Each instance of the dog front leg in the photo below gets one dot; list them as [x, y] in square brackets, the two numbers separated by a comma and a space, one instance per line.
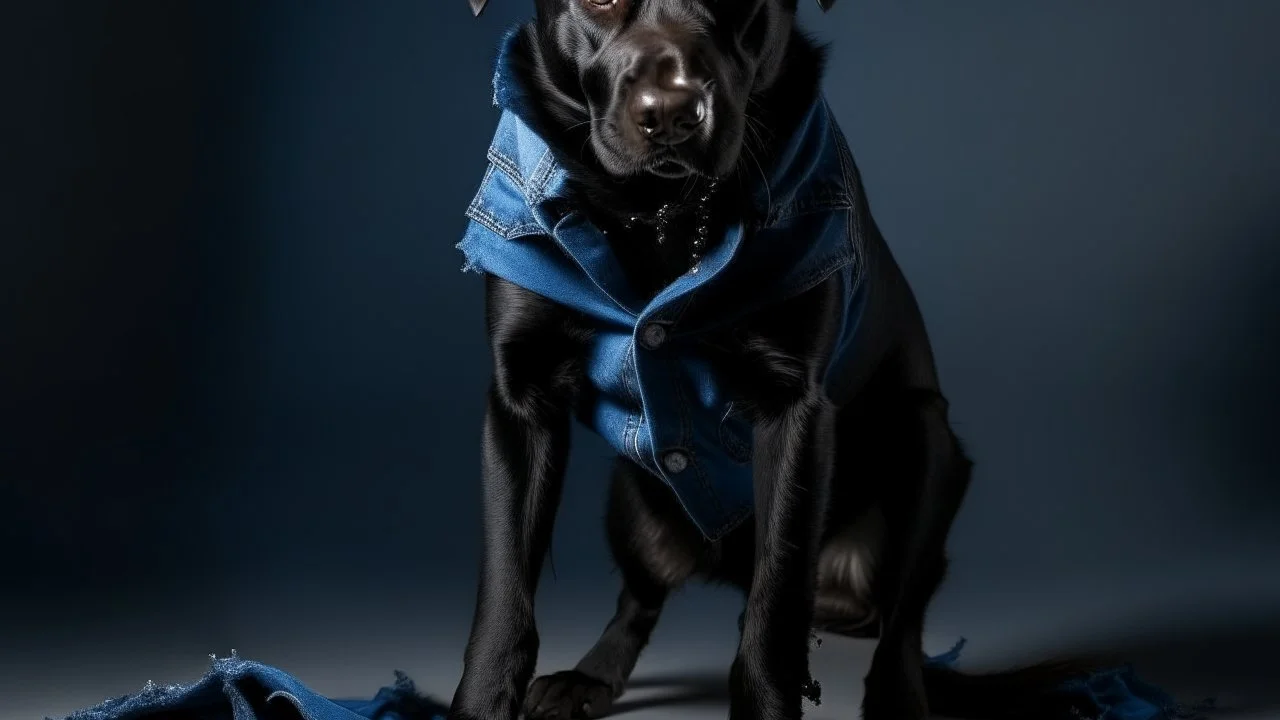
[793, 460]
[525, 451]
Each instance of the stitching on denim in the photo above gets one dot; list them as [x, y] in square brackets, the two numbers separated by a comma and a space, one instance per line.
[524, 229]
[856, 233]
[686, 439]
[627, 435]
[475, 204]
[540, 176]
[740, 452]
[815, 204]
[633, 393]
[629, 363]
[732, 521]
[856, 238]
[488, 220]
[838, 198]
[508, 166]
[856, 241]
[479, 211]
[635, 441]
[813, 277]
[484, 183]
[629, 366]
[506, 232]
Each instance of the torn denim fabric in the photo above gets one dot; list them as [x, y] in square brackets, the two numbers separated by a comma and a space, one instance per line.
[236, 689]
[1111, 694]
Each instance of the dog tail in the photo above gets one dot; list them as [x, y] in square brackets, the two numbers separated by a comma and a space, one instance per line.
[1033, 692]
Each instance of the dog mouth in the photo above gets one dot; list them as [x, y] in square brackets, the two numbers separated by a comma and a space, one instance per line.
[670, 167]
[623, 157]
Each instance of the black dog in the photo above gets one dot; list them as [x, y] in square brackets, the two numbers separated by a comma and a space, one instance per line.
[857, 474]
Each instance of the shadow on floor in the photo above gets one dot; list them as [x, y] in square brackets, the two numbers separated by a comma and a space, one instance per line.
[689, 690]
[1239, 666]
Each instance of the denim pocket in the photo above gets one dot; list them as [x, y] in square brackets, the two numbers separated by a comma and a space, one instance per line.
[735, 434]
[500, 206]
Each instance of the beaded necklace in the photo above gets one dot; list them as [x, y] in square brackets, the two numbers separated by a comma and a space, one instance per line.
[664, 216]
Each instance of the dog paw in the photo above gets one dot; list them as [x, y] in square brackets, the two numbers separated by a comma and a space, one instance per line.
[568, 695]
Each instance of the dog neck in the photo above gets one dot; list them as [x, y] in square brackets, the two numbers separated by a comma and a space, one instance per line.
[660, 228]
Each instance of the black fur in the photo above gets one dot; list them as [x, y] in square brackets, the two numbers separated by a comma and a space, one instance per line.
[856, 488]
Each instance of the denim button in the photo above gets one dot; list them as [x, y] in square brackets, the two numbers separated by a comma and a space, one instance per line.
[675, 461]
[653, 336]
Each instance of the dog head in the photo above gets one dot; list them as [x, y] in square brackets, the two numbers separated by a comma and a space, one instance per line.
[660, 88]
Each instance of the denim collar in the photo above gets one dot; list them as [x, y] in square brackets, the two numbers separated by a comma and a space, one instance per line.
[794, 182]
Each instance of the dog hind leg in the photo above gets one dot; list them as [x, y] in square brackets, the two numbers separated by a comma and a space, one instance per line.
[920, 507]
[846, 572]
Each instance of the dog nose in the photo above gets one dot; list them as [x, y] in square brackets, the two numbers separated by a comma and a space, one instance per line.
[669, 115]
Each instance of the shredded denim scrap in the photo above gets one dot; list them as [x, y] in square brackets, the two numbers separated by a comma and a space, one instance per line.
[1112, 694]
[236, 689]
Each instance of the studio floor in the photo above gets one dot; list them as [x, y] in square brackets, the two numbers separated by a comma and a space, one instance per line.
[347, 644]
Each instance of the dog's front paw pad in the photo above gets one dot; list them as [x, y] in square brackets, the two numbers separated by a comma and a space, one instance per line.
[568, 695]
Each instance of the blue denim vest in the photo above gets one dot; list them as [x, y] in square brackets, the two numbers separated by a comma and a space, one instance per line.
[655, 399]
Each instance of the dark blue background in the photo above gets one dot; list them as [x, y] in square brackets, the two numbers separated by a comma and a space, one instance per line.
[238, 356]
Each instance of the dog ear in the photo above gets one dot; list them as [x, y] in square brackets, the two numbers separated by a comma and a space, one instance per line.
[824, 4]
[477, 6]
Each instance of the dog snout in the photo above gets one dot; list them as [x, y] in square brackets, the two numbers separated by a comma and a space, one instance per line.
[668, 103]
[667, 116]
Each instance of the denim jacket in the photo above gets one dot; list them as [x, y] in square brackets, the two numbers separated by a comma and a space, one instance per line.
[654, 399]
